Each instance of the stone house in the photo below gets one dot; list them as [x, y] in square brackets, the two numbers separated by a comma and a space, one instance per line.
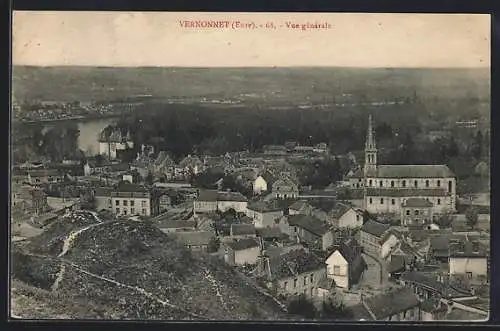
[263, 214]
[292, 274]
[242, 251]
[396, 305]
[307, 229]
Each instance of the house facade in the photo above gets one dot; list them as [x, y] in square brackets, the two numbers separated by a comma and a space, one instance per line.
[294, 273]
[285, 188]
[259, 185]
[241, 252]
[468, 260]
[416, 212]
[263, 215]
[346, 264]
[127, 200]
[371, 237]
[308, 229]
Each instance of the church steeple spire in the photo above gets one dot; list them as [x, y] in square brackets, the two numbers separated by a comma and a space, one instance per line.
[370, 149]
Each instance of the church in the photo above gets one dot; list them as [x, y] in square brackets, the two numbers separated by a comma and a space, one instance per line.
[417, 193]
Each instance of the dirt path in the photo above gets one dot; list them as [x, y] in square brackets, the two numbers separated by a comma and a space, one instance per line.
[215, 286]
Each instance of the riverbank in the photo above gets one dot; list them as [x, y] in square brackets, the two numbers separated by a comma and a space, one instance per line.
[71, 118]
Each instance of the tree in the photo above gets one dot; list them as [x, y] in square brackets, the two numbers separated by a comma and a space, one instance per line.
[471, 214]
[477, 146]
[335, 310]
[149, 178]
[302, 307]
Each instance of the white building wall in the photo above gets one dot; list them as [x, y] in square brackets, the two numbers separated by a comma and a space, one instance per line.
[464, 265]
[259, 185]
[388, 246]
[342, 277]
[350, 219]
[238, 206]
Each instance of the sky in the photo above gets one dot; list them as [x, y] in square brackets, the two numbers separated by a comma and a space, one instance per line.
[157, 39]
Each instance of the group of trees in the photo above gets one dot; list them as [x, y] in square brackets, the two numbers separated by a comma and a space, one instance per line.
[56, 143]
[329, 310]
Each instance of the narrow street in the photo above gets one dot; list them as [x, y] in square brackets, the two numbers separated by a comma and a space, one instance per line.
[375, 276]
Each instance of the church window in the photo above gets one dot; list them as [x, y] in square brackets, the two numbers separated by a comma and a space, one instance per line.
[450, 185]
[438, 183]
[381, 201]
[404, 183]
[416, 183]
[381, 183]
[439, 201]
[392, 183]
[427, 183]
[371, 200]
[371, 182]
[408, 212]
[393, 201]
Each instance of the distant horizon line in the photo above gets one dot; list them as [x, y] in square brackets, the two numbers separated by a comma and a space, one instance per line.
[235, 67]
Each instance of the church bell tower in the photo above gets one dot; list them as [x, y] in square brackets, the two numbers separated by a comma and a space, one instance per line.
[370, 150]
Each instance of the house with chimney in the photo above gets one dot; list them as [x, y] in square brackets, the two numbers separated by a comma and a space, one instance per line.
[297, 272]
[264, 214]
[377, 240]
[469, 260]
[212, 201]
[308, 229]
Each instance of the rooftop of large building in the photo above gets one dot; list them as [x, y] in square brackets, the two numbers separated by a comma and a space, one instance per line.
[407, 171]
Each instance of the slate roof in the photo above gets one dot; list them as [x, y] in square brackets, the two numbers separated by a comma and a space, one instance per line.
[284, 182]
[45, 172]
[408, 171]
[350, 249]
[417, 203]
[424, 280]
[194, 238]
[270, 233]
[294, 263]
[263, 207]
[397, 264]
[231, 196]
[242, 229]
[242, 244]
[409, 192]
[375, 228]
[309, 223]
[388, 304]
[299, 205]
[208, 195]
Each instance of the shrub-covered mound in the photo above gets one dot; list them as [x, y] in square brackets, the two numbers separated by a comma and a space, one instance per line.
[138, 272]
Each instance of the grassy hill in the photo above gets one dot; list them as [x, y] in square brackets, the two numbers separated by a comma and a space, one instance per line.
[134, 271]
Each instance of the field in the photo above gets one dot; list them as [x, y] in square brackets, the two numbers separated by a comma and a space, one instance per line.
[249, 84]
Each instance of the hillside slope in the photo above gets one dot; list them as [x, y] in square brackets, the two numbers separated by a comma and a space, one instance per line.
[136, 271]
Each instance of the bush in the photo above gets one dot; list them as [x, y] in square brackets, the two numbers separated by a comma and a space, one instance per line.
[301, 306]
